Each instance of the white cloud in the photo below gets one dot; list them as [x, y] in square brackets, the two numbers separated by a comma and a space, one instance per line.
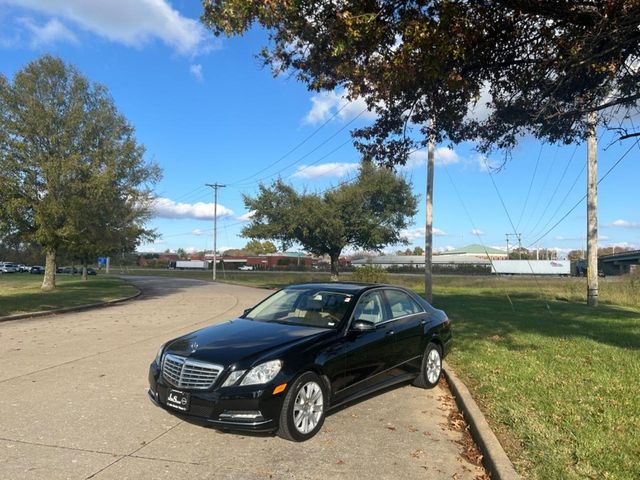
[442, 156]
[167, 208]
[47, 34]
[446, 248]
[191, 249]
[476, 231]
[561, 238]
[419, 232]
[196, 71]
[130, 22]
[197, 232]
[325, 104]
[247, 216]
[620, 223]
[325, 170]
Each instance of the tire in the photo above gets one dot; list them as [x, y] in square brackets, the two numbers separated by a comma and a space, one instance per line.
[431, 369]
[303, 410]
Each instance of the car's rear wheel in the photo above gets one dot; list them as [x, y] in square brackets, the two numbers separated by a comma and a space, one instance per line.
[431, 367]
[303, 410]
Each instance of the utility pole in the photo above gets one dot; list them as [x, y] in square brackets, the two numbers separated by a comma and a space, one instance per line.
[592, 213]
[215, 187]
[428, 233]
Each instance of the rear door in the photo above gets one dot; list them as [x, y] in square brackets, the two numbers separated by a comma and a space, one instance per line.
[409, 319]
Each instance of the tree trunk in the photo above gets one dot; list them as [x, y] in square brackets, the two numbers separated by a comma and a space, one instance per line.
[335, 267]
[49, 281]
[84, 269]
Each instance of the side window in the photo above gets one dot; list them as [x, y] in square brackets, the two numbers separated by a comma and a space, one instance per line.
[401, 304]
[370, 308]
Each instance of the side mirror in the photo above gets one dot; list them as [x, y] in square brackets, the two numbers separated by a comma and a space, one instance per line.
[246, 310]
[363, 326]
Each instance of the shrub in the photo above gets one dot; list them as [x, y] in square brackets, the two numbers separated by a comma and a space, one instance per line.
[369, 274]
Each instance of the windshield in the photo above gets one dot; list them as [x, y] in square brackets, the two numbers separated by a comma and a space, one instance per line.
[311, 307]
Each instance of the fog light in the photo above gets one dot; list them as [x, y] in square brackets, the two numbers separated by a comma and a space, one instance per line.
[242, 415]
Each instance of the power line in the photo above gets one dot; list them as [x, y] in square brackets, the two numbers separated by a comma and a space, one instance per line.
[553, 195]
[307, 138]
[533, 177]
[585, 196]
[515, 232]
[255, 182]
[564, 199]
[475, 230]
[541, 190]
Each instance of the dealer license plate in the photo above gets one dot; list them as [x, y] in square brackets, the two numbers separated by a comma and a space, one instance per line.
[178, 400]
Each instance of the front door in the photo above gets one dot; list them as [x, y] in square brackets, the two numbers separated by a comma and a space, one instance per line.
[368, 354]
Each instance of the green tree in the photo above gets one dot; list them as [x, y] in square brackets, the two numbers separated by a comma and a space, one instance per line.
[368, 213]
[520, 253]
[543, 66]
[181, 252]
[72, 176]
[418, 251]
[268, 247]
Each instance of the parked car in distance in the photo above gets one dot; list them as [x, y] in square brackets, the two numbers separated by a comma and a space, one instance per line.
[37, 270]
[67, 270]
[302, 351]
[7, 267]
[91, 271]
[245, 268]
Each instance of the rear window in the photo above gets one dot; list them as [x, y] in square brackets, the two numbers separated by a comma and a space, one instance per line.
[401, 304]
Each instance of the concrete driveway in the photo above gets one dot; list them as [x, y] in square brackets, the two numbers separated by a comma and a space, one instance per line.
[73, 404]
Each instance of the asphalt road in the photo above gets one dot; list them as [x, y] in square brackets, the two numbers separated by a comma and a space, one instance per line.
[73, 405]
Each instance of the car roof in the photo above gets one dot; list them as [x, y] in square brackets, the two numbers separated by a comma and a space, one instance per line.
[343, 287]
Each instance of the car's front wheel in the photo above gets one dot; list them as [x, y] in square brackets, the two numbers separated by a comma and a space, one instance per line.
[303, 410]
[431, 367]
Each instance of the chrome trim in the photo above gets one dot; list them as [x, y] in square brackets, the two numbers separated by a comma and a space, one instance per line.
[187, 373]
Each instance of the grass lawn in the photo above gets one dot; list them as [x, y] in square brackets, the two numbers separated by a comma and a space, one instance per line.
[20, 292]
[559, 382]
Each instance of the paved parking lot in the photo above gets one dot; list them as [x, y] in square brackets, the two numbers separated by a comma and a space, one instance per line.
[73, 405]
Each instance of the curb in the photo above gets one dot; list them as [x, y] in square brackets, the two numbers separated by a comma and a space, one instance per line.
[494, 457]
[76, 308]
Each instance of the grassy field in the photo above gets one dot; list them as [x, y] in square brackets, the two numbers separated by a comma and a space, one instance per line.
[559, 382]
[20, 292]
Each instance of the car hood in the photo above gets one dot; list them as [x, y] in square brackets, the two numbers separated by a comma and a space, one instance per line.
[240, 340]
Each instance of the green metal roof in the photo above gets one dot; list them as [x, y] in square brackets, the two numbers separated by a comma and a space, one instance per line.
[476, 249]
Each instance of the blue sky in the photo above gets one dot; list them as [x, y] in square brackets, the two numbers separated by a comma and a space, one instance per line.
[207, 112]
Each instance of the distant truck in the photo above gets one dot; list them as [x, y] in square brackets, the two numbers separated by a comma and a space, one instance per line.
[188, 265]
[531, 267]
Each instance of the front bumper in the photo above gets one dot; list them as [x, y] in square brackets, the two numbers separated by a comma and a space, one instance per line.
[217, 407]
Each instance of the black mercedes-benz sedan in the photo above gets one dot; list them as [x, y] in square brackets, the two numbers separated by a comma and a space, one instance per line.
[302, 351]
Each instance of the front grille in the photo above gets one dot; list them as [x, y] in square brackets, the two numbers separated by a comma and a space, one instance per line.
[184, 372]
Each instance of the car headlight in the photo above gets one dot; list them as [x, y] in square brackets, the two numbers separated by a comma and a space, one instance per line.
[233, 378]
[159, 354]
[263, 373]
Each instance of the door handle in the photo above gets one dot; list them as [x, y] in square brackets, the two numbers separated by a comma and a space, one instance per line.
[390, 332]
[423, 322]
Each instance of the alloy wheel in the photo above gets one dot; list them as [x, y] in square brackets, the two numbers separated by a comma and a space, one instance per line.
[434, 365]
[308, 407]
